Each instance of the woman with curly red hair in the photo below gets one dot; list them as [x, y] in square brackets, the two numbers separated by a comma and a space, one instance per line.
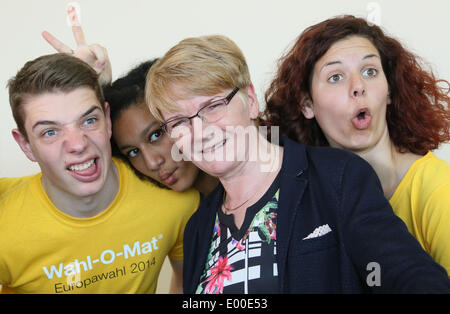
[346, 84]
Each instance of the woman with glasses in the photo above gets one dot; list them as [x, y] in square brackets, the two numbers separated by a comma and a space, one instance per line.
[285, 218]
[346, 84]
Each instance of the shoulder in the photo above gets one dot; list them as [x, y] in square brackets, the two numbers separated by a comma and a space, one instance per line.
[17, 188]
[319, 155]
[431, 176]
[328, 163]
[23, 197]
[432, 169]
[149, 194]
[9, 183]
[207, 207]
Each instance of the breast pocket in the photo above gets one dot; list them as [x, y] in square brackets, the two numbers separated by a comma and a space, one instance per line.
[317, 244]
[314, 265]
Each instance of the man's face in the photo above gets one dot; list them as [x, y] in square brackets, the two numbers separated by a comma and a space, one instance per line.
[68, 135]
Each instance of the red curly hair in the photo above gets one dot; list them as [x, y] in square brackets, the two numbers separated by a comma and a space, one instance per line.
[418, 118]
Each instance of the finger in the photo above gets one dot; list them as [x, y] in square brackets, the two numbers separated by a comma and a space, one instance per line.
[55, 43]
[76, 26]
[101, 54]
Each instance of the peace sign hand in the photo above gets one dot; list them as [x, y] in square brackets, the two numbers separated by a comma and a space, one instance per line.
[94, 55]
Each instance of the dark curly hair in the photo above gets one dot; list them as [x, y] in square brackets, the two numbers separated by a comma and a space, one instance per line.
[418, 119]
[127, 91]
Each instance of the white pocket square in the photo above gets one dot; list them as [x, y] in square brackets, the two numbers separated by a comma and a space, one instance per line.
[318, 232]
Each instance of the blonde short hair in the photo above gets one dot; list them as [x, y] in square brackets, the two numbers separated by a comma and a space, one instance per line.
[205, 65]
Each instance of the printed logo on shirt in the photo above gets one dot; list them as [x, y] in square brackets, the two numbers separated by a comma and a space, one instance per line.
[72, 271]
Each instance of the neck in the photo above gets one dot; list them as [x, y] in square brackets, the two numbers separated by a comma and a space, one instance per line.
[253, 178]
[85, 206]
[389, 164]
[205, 183]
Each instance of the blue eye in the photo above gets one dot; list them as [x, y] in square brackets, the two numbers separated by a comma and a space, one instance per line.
[133, 153]
[49, 133]
[335, 78]
[90, 121]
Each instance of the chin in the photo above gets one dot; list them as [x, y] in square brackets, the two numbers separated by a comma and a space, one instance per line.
[90, 189]
[216, 168]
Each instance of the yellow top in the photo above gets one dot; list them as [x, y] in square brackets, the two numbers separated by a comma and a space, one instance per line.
[7, 184]
[422, 201]
[121, 250]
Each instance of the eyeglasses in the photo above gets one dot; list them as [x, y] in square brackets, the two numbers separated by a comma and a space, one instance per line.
[210, 113]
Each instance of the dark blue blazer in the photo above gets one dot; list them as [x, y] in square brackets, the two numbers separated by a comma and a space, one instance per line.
[326, 186]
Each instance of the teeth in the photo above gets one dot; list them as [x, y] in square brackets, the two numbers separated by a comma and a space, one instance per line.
[214, 147]
[82, 166]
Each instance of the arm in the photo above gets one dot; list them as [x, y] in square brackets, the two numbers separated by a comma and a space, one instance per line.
[176, 283]
[372, 233]
[436, 226]
[94, 55]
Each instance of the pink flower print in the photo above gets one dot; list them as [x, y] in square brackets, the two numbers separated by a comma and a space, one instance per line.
[239, 244]
[273, 235]
[218, 274]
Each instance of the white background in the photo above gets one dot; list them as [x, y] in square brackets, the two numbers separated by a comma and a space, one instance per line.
[137, 30]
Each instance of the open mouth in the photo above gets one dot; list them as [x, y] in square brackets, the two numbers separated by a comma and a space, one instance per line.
[362, 119]
[86, 171]
[83, 166]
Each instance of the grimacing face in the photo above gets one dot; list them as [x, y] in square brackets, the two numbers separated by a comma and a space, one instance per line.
[68, 135]
[350, 95]
[139, 137]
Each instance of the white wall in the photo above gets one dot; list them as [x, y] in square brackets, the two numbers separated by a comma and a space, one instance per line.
[136, 30]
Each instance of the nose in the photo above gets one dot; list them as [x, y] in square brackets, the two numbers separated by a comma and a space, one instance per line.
[203, 132]
[75, 140]
[358, 88]
[152, 158]
[197, 130]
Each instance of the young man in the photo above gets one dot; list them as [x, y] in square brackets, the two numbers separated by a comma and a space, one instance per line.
[86, 223]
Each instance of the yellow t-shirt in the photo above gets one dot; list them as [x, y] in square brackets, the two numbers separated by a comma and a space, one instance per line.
[8, 183]
[120, 250]
[422, 201]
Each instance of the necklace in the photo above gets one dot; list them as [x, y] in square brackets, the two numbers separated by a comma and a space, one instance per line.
[227, 211]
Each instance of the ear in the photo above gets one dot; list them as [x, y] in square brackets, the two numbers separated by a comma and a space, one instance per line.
[307, 108]
[253, 102]
[108, 118]
[24, 144]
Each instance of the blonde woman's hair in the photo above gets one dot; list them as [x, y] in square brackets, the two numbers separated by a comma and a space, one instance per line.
[205, 66]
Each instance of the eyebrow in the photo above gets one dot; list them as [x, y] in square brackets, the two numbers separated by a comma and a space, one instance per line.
[50, 122]
[372, 55]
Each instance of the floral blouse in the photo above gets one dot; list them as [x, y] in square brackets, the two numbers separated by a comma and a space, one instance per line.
[244, 260]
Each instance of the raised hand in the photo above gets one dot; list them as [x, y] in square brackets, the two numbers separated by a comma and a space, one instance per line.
[95, 55]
